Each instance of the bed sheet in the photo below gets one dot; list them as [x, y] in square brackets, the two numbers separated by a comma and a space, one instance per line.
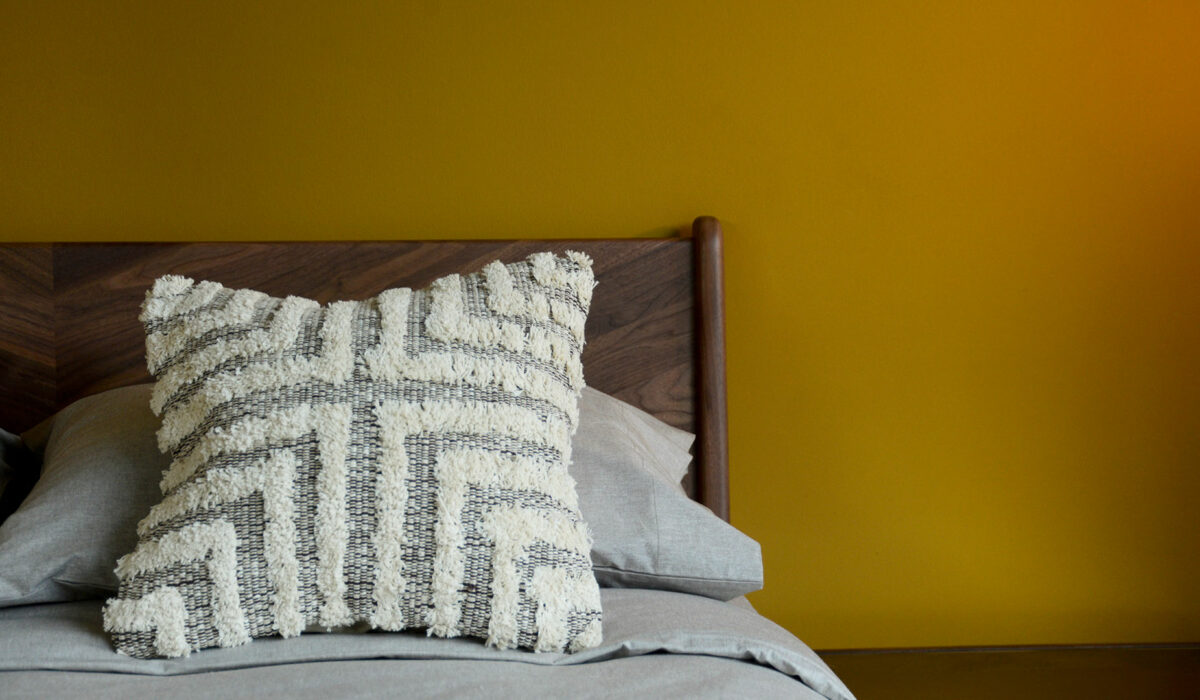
[656, 644]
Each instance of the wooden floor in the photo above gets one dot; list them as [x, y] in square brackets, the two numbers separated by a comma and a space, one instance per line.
[1142, 672]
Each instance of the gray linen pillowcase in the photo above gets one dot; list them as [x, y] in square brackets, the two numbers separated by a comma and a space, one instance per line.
[631, 432]
[102, 467]
[100, 471]
[648, 533]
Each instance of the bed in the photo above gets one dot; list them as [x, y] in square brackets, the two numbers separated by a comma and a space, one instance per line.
[73, 357]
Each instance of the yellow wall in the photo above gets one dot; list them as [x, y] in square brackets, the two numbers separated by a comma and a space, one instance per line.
[963, 246]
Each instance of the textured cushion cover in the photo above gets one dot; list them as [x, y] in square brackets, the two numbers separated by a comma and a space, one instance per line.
[400, 461]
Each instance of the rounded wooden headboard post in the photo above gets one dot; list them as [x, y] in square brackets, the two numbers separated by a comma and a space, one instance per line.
[712, 431]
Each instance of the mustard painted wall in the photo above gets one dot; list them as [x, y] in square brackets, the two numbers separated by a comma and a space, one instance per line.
[963, 246]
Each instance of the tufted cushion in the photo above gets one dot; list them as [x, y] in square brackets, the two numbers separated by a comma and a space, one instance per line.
[400, 461]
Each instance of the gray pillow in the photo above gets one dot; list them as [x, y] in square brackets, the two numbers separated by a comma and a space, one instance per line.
[103, 467]
[627, 430]
[648, 533]
[100, 473]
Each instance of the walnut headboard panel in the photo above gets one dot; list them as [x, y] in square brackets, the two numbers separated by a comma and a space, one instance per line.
[655, 334]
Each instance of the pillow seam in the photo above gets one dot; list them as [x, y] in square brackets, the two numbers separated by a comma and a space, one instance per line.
[673, 576]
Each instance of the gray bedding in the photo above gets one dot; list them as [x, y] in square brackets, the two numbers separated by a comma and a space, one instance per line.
[656, 644]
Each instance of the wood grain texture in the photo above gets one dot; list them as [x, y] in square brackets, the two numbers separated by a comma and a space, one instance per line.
[712, 431]
[26, 335]
[75, 330]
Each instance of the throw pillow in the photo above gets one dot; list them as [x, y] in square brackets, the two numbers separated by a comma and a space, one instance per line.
[400, 461]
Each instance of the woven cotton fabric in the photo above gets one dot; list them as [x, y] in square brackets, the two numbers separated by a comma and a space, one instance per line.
[400, 461]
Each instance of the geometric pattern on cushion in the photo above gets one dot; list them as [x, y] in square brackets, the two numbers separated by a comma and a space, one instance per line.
[399, 461]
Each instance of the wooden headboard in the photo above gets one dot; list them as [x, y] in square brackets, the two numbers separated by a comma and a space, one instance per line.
[655, 334]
